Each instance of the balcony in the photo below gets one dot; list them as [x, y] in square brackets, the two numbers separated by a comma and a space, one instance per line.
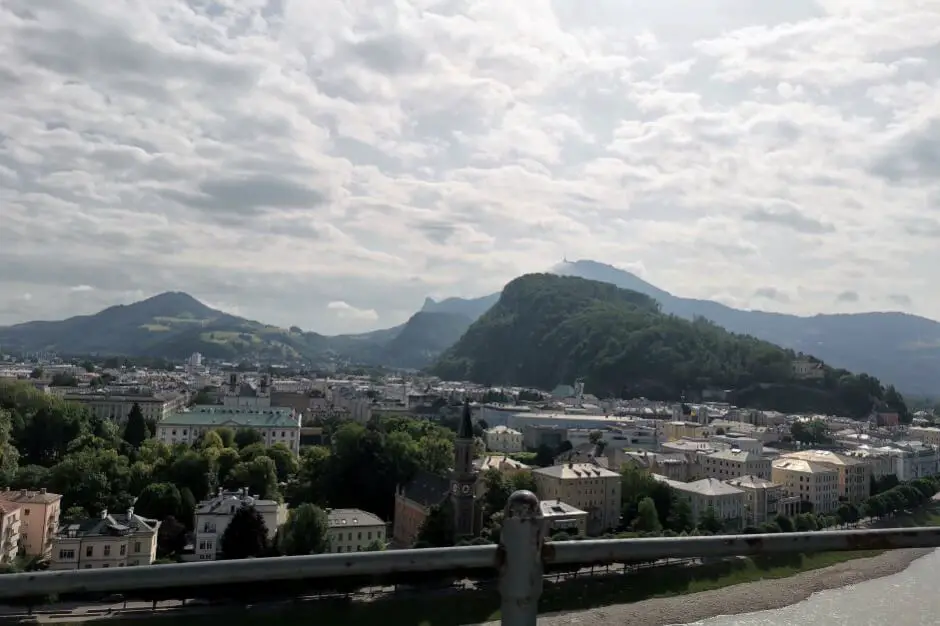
[509, 577]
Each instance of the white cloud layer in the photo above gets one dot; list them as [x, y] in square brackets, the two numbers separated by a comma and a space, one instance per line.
[346, 311]
[278, 154]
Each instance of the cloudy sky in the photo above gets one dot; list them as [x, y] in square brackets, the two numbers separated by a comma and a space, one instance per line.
[330, 164]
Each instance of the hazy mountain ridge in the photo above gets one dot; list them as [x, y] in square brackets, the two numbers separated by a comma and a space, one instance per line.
[174, 325]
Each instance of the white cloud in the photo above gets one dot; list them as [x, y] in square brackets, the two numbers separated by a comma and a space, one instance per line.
[81, 288]
[346, 311]
[277, 154]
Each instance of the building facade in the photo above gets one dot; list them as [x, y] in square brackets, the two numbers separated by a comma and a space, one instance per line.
[354, 530]
[815, 484]
[502, 439]
[112, 540]
[212, 517]
[276, 425]
[9, 531]
[39, 519]
[585, 486]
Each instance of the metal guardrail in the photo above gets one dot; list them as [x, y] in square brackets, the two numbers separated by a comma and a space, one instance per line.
[519, 561]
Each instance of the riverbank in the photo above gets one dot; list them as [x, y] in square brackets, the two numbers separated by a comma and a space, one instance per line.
[740, 598]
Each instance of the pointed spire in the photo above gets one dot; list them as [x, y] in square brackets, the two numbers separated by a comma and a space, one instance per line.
[466, 424]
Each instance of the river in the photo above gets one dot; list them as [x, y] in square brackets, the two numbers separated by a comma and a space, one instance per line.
[906, 599]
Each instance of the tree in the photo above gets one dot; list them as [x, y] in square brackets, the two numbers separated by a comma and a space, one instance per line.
[136, 431]
[710, 522]
[245, 536]
[647, 519]
[680, 516]
[244, 437]
[159, 500]
[171, 537]
[437, 530]
[305, 532]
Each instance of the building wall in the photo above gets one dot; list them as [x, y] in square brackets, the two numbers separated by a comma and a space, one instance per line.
[355, 539]
[39, 519]
[71, 553]
[599, 496]
[9, 532]
[408, 519]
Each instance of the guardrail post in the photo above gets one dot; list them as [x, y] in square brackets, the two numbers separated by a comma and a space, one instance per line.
[520, 566]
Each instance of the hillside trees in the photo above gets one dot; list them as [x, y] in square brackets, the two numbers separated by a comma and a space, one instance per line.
[559, 329]
[305, 532]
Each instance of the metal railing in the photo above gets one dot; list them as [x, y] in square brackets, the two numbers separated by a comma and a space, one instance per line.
[519, 561]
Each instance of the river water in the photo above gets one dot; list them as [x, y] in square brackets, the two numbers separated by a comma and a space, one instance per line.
[906, 599]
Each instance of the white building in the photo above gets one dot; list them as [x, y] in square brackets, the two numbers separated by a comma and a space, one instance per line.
[503, 439]
[710, 493]
[276, 424]
[912, 459]
[353, 530]
[213, 516]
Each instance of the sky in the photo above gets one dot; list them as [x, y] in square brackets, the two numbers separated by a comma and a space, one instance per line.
[330, 164]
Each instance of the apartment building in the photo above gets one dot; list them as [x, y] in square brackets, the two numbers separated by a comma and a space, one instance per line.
[764, 500]
[925, 434]
[562, 517]
[111, 540]
[276, 425]
[503, 439]
[854, 473]
[912, 459]
[212, 517]
[587, 487]
[9, 531]
[734, 463]
[115, 407]
[353, 530]
[682, 467]
[39, 518]
[741, 442]
[726, 500]
[679, 430]
[814, 483]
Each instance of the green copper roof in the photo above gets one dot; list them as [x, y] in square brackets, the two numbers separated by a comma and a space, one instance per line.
[212, 415]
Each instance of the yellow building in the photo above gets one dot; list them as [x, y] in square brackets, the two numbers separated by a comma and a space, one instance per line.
[734, 463]
[854, 473]
[677, 430]
[585, 486]
[112, 540]
[815, 483]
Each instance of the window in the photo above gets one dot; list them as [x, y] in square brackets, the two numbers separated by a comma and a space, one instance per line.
[107, 550]
[90, 551]
[26, 512]
[137, 546]
[65, 555]
[123, 549]
[106, 565]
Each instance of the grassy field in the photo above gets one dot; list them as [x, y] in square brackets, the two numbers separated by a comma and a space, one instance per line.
[586, 592]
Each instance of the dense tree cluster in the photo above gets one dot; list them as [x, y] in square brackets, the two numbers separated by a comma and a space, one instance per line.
[96, 465]
[548, 329]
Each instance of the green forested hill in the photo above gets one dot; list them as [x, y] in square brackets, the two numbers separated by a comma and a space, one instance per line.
[548, 329]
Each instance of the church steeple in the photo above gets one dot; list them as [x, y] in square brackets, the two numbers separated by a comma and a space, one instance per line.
[464, 478]
[466, 424]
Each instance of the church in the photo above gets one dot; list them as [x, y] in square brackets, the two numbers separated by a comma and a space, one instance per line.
[414, 501]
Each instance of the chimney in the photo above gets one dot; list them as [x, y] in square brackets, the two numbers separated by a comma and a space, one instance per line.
[42, 490]
[23, 492]
[130, 513]
[104, 513]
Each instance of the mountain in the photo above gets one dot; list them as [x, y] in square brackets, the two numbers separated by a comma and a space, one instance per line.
[898, 348]
[174, 325]
[546, 329]
[471, 308]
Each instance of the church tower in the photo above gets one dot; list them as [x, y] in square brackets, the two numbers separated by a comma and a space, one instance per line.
[464, 477]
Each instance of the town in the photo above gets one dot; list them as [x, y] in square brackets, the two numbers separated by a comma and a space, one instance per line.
[119, 466]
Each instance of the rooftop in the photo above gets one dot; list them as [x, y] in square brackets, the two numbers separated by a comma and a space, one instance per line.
[706, 487]
[339, 518]
[556, 508]
[215, 415]
[25, 496]
[109, 525]
[576, 470]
